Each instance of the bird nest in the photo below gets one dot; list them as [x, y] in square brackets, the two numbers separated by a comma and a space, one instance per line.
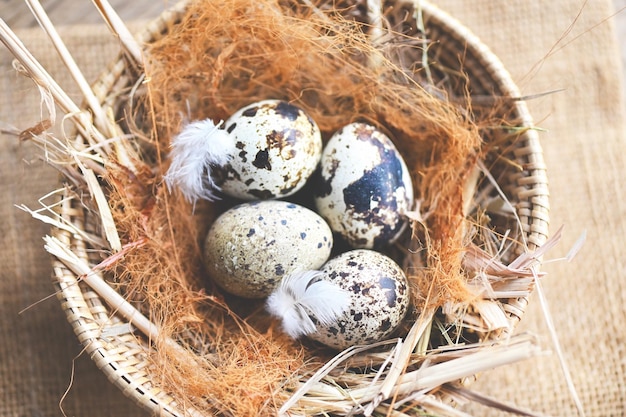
[128, 250]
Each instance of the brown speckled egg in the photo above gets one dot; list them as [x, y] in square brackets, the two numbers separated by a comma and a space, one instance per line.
[363, 187]
[278, 147]
[252, 246]
[379, 298]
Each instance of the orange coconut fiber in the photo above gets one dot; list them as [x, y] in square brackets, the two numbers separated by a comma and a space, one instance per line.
[224, 55]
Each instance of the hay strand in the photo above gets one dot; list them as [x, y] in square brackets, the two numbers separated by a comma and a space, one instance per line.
[120, 30]
[98, 284]
[45, 22]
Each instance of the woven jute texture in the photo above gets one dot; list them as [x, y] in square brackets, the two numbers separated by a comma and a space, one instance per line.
[546, 46]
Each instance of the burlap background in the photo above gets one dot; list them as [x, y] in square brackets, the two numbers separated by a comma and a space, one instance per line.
[546, 46]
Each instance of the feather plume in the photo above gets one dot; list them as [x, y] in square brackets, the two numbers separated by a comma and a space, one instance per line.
[200, 146]
[303, 298]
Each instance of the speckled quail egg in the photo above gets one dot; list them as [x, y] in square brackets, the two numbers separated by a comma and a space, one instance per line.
[379, 298]
[363, 187]
[250, 247]
[278, 147]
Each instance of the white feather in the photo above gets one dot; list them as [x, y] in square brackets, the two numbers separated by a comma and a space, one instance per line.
[198, 147]
[304, 296]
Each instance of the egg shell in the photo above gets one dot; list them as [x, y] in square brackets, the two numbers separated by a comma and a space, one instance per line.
[363, 187]
[278, 147]
[379, 298]
[252, 246]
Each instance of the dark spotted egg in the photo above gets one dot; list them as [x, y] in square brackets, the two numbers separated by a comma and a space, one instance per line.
[252, 246]
[363, 187]
[277, 146]
[379, 298]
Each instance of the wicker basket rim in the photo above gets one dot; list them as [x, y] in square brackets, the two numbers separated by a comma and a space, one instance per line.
[123, 364]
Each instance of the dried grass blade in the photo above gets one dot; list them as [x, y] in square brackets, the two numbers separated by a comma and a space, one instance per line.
[419, 18]
[47, 25]
[387, 412]
[507, 203]
[436, 407]
[436, 375]
[399, 365]
[477, 259]
[118, 304]
[469, 190]
[104, 210]
[83, 121]
[429, 377]
[34, 69]
[59, 224]
[492, 315]
[56, 248]
[557, 347]
[571, 254]
[44, 80]
[526, 260]
[105, 124]
[119, 29]
[314, 381]
[49, 214]
[487, 401]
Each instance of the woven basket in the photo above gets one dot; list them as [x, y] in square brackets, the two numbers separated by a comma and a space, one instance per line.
[109, 338]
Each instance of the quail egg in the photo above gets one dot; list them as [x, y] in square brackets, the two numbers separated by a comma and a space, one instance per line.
[379, 298]
[363, 187]
[277, 146]
[252, 246]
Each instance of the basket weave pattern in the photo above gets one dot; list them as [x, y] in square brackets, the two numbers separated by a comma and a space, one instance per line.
[110, 339]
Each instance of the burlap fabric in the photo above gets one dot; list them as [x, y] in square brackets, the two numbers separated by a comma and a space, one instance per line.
[546, 46]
